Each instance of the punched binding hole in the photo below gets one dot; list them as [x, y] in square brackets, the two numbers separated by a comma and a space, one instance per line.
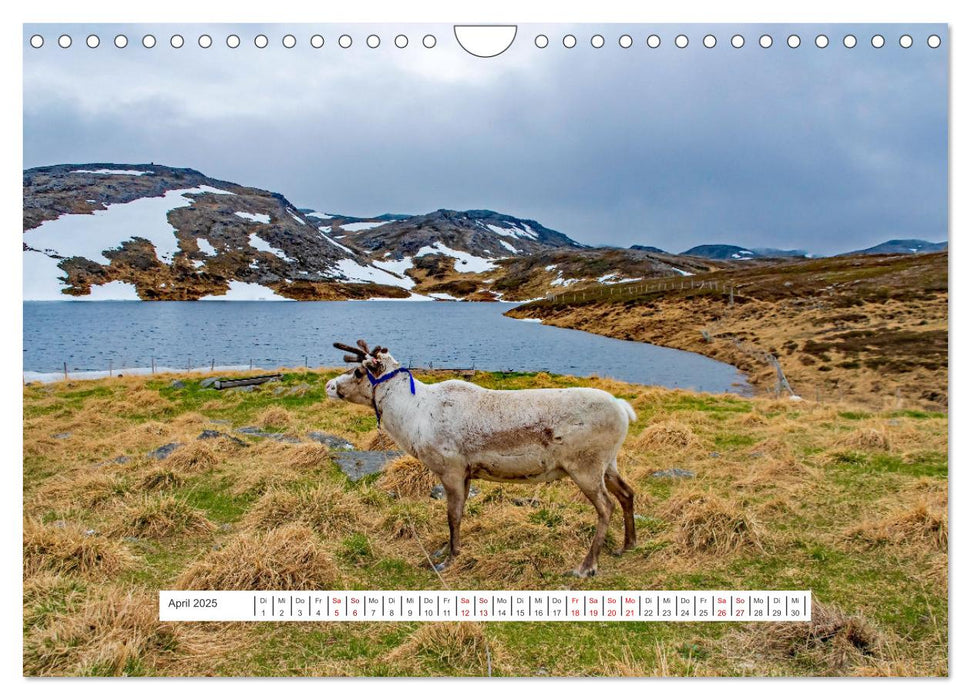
[317, 41]
[541, 41]
[233, 41]
[822, 41]
[793, 41]
[205, 41]
[906, 41]
[36, 41]
[934, 41]
[597, 41]
[765, 41]
[653, 41]
[176, 41]
[738, 41]
[709, 41]
[93, 41]
[877, 41]
[64, 41]
[569, 41]
[260, 41]
[849, 41]
[121, 41]
[625, 41]
[681, 41]
[429, 41]
[148, 41]
[289, 41]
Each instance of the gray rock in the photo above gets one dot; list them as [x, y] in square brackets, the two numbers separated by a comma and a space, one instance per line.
[220, 421]
[90, 533]
[244, 389]
[165, 450]
[716, 455]
[61, 436]
[279, 390]
[334, 442]
[531, 502]
[60, 524]
[299, 389]
[215, 435]
[675, 473]
[438, 492]
[756, 453]
[177, 384]
[208, 382]
[357, 464]
[259, 432]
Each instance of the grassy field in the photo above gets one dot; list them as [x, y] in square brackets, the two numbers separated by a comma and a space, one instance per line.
[851, 503]
[866, 329]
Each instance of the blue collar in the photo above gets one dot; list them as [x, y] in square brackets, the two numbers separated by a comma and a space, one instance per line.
[382, 380]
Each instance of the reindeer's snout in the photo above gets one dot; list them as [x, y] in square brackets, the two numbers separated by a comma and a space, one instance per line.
[331, 390]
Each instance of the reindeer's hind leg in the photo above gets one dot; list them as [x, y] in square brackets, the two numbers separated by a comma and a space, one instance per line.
[592, 485]
[625, 496]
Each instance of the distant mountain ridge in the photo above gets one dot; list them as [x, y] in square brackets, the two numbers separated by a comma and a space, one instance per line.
[906, 245]
[156, 232]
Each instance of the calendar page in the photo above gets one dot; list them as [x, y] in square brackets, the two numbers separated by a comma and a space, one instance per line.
[523, 349]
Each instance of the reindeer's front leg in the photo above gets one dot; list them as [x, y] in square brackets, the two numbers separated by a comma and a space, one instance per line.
[456, 485]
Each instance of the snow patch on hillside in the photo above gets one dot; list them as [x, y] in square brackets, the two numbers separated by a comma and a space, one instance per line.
[355, 272]
[683, 272]
[333, 242]
[87, 235]
[205, 246]
[518, 232]
[106, 171]
[112, 291]
[363, 225]
[258, 218]
[245, 291]
[464, 262]
[508, 246]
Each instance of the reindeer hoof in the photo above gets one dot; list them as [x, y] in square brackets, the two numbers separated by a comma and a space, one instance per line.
[443, 551]
[580, 573]
[440, 567]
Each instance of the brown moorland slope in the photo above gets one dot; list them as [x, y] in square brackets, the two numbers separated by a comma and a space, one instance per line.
[865, 328]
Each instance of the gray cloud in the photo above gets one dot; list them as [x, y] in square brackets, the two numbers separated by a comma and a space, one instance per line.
[821, 149]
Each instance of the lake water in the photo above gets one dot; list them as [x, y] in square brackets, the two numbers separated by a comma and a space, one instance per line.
[91, 336]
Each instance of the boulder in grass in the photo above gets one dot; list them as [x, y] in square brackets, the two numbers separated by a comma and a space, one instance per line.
[334, 442]
[675, 473]
[165, 450]
[357, 464]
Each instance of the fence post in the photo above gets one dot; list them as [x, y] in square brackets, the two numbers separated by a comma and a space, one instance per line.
[111, 369]
[65, 370]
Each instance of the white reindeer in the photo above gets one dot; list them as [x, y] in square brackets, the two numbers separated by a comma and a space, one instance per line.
[460, 432]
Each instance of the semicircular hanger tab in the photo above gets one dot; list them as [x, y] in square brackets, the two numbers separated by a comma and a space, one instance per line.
[485, 40]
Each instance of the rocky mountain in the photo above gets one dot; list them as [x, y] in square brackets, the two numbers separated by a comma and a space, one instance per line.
[897, 246]
[724, 251]
[154, 232]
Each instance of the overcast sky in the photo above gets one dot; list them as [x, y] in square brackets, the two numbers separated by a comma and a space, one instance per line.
[826, 150]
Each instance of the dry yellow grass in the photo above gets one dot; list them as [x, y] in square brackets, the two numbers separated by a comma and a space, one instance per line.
[709, 524]
[83, 488]
[275, 417]
[460, 647]
[193, 458]
[117, 633]
[163, 516]
[923, 522]
[870, 438]
[380, 440]
[325, 508]
[158, 478]
[407, 478]
[833, 641]
[68, 548]
[668, 434]
[286, 558]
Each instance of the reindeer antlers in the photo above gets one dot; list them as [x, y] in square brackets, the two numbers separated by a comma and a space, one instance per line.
[359, 353]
